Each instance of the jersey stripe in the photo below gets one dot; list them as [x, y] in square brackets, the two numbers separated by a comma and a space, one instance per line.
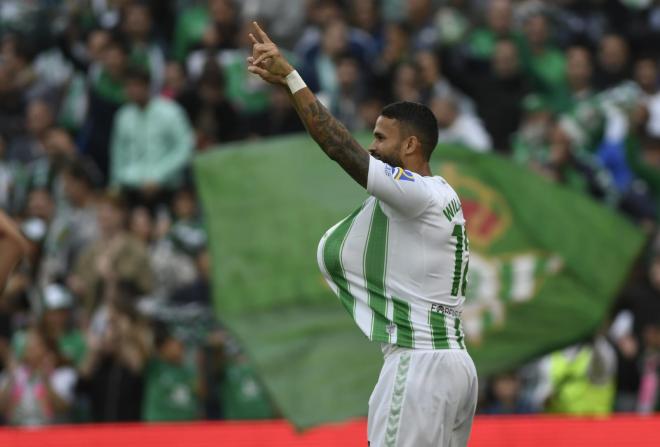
[404, 329]
[438, 330]
[332, 259]
[465, 278]
[375, 262]
[458, 264]
[459, 333]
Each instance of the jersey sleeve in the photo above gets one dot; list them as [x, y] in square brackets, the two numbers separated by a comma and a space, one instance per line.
[404, 191]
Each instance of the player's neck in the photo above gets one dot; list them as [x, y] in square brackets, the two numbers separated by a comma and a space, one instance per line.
[421, 167]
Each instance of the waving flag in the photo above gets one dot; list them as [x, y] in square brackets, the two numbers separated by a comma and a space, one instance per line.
[545, 265]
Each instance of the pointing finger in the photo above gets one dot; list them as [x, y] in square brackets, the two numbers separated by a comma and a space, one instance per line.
[262, 33]
[254, 39]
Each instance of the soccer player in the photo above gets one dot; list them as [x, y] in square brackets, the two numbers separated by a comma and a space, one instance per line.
[13, 247]
[398, 264]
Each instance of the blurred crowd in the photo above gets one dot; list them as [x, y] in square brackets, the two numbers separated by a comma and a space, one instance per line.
[103, 104]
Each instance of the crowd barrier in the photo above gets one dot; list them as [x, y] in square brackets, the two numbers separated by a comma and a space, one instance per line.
[490, 431]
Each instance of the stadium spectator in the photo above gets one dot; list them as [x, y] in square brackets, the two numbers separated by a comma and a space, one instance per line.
[481, 42]
[459, 128]
[198, 291]
[246, 97]
[114, 257]
[351, 89]
[419, 14]
[395, 52]
[627, 346]
[38, 388]
[366, 16]
[578, 80]
[543, 62]
[45, 170]
[38, 120]
[106, 95]
[57, 323]
[12, 107]
[498, 93]
[144, 50]
[174, 81]
[224, 16]
[112, 372]
[646, 75]
[242, 395]
[74, 225]
[433, 84]
[406, 83]
[452, 23]
[141, 225]
[576, 169]
[8, 173]
[319, 13]
[285, 17]
[171, 386]
[648, 400]
[505, 395]
[151, 143]
[578, 380]
[214, 119]
[613, 62]
[16, 57]
[282, 117]
[319, 60]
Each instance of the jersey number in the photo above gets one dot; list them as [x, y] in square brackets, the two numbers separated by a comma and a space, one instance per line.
[459, 282]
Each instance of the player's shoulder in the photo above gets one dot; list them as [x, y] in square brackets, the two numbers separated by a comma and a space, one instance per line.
[398, 173]
[442, 191]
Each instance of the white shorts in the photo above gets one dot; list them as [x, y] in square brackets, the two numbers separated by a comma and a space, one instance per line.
[423, 398]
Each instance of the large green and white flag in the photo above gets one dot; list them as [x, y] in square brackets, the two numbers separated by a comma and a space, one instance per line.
[545, 265]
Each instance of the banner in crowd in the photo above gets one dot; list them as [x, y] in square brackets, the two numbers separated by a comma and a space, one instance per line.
[545, 265]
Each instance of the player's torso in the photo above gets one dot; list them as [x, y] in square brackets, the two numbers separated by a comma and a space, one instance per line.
[401, 278]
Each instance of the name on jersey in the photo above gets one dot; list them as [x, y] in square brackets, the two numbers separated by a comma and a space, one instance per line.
[451, 209]
[442, 309]
[399, 174]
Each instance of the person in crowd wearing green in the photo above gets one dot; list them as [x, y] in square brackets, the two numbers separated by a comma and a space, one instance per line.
[544, 63]
[577, 87]
[144, 50]
[498, 25]
[151, 143]
[56, 323]
[172, 388]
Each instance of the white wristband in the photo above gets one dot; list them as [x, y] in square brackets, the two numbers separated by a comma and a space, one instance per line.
[294, 82]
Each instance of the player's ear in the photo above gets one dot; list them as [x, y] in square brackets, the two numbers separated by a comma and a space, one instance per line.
[411, 144]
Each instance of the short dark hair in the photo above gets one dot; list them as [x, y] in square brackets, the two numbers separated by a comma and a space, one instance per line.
[138, 73]
[118, 42]
[81, 171]
[419, 121]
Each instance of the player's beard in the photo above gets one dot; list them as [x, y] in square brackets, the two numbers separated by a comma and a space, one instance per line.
[392, 160]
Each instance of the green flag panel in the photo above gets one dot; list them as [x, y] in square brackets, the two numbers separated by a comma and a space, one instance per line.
[545, 264]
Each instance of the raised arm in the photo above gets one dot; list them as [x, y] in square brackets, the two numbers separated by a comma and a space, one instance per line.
[331, 135]
[13, 247]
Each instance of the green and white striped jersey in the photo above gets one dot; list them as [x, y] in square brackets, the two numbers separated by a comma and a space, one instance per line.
[399, 262]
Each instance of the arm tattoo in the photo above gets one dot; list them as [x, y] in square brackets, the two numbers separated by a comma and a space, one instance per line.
[333, 137]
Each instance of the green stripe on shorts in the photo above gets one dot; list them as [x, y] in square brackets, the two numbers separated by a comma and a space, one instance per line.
[396, 403]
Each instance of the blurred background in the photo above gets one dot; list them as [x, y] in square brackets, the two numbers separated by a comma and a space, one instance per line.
[104, 103]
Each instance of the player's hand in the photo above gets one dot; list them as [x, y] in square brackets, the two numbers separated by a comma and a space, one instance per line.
[266, 60]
